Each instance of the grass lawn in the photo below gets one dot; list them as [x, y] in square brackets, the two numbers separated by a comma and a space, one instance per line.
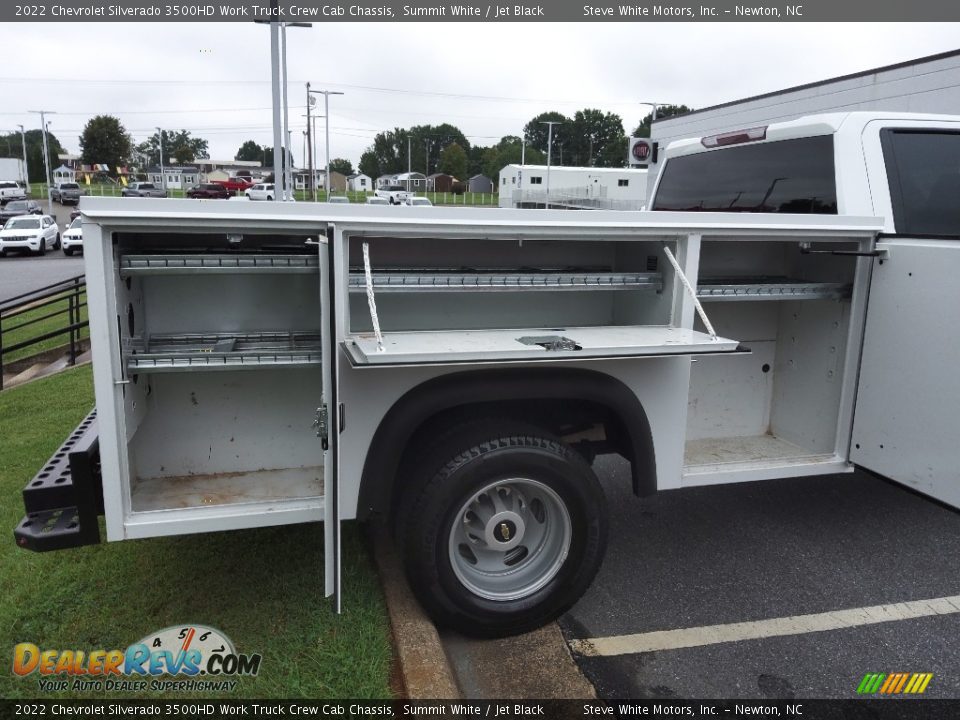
[12, 337]
[263, 588]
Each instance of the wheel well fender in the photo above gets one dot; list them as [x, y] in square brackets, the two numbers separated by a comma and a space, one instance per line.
[503, 388]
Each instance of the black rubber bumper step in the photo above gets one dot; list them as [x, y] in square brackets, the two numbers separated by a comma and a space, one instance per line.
[64, 499]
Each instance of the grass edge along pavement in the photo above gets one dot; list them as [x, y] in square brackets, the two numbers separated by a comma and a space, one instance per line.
[263, 588]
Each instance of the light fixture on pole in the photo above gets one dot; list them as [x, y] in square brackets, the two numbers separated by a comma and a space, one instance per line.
[282, 173]
[326, 108]
[163, 175]
[46, 155]
[26, 169]
[549, 124]
[654, 106]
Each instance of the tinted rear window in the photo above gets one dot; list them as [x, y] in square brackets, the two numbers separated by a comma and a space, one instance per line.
[923, 170]
[789, 176]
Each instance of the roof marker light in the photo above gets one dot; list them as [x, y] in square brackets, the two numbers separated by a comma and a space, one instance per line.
[735, 138]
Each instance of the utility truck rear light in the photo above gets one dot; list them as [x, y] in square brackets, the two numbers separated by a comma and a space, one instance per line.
[735, 138]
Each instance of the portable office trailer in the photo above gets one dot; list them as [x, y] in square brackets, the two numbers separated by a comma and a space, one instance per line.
[572, 188]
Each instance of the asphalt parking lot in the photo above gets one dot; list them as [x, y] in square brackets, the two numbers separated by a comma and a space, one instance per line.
[20, 273]
[770, 551]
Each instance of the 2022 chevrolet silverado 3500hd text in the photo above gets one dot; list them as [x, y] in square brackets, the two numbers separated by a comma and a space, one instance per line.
[457, 371]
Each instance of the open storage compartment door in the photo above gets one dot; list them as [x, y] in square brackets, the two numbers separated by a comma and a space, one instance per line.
[905, 427]
[445, 301]
[328, 422]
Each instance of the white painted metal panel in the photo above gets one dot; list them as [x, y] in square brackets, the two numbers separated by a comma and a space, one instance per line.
[445, 347]
[905, 426]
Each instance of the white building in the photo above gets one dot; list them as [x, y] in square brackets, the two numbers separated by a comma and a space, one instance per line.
[583, 188]
[358, 182]
[926, 85]
[412, 181]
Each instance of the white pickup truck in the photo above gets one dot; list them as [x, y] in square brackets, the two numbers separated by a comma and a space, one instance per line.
[457, 371]
[394, 194]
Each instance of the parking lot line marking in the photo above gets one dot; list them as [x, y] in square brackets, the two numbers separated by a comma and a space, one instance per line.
[759, 629]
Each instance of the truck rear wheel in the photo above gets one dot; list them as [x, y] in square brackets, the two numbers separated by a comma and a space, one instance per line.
[506, 533]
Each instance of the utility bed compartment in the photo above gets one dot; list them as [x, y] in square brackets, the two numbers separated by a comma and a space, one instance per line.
[452, 300]
[222, 358]
[778, 409]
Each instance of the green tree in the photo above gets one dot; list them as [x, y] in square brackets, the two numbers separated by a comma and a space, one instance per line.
[369, 165]
[250, 151]
[597, 140]
[179, 145]
[388, 154]
[663, 111]
[509, 151]
[11, 146]
[453, 161]
[342, 166]
[537, 133]
[105, 140]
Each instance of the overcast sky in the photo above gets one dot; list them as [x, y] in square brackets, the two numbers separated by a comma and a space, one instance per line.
[487, 79]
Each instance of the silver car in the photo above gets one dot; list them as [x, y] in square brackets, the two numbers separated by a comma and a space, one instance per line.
[142, 189]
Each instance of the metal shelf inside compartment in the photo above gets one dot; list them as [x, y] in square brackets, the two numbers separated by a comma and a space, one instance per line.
[222, 351]
[769, 288]
[442, 280]
[186, 264]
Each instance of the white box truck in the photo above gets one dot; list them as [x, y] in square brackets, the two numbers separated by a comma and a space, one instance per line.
[457, 371]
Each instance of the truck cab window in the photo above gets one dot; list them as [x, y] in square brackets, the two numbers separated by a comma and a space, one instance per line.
[923, 169]
[788, 176]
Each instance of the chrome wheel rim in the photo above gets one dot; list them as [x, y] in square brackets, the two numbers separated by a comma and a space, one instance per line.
[509, 539]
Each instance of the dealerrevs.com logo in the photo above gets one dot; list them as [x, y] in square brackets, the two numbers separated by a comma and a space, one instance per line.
[199, 658]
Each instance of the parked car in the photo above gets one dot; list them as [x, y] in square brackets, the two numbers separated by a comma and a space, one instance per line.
[236, 184]
[67, 193]
[29, 232]
[374, 200]
[74, 214]
[10, 190]
[142, 189]
[73, 238]
[210, 191]
[338, 199]
[419, 202]
[20, 207]
[260, 191]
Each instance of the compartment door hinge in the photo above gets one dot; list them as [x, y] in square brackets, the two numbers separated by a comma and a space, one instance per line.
[322, 425]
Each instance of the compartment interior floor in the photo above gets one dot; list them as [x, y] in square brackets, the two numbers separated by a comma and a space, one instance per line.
[716, 451]
[188, 491]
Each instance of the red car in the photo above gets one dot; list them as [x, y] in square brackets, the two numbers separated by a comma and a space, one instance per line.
[211, 191]
[236, 184]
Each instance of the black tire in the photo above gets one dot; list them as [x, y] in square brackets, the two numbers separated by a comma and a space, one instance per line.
[3, 253]
[269, 197]
[59, 243]
[43, 247]
[506, 457]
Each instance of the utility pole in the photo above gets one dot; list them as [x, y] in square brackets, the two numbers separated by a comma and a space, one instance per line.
[326, 109]
[26, 170]
[549, 124]
[409, 161]
[310, 140]
[163, 175]
[46, 155]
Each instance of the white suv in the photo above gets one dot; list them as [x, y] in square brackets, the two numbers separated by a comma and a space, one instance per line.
[261, 191]
[73, 237]
[29, 232]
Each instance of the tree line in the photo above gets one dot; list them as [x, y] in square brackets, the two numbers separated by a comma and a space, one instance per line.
[588, 138]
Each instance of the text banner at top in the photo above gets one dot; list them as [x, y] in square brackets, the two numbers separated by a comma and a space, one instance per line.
[433, 11]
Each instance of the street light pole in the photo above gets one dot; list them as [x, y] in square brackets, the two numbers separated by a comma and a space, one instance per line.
[326, 109]
[163, 175]
[46, 155]
[26, 170]
[549, 124]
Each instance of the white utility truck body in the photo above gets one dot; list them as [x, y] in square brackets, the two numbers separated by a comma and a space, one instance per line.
[457, 370]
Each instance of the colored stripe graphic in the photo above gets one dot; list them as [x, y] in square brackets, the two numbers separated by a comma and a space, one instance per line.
[894, 683]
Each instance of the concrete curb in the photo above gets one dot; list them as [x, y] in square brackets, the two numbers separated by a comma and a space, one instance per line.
[424, 668]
